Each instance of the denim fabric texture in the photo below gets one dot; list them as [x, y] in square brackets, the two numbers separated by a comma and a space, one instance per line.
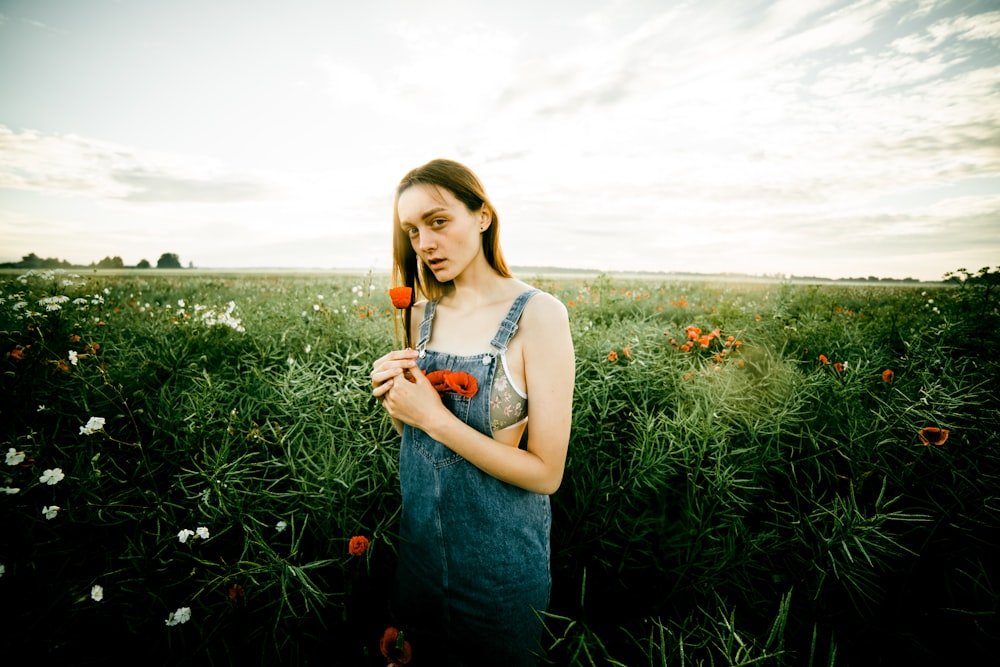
[473, 574]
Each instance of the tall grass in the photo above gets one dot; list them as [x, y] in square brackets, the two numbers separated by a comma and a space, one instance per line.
[740, 502]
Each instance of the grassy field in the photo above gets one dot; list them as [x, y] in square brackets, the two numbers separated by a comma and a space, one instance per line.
[760, 473]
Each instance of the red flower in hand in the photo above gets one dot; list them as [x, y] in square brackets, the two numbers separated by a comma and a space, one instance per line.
[436, 378]
[462, 384]
[402, 297]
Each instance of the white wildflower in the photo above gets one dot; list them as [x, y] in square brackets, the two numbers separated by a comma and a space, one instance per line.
[183, 536]
[14, 457]
[202, 532]
[182, 615]
[225, 318]
[280, 526]
[50, 511]
[93, 425]
[9, 490]
[97, 593]
[72, 357]
[52, 476]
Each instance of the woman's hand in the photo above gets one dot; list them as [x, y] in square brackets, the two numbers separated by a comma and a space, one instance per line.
[414, 401]
[390, 367]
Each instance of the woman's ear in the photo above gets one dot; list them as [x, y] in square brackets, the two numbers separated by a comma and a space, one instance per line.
[486, 219]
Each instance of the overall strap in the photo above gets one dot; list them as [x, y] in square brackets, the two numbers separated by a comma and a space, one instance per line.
[425, 325]
[509, 326]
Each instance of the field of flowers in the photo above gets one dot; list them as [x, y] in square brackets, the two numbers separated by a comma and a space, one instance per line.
[762, 473]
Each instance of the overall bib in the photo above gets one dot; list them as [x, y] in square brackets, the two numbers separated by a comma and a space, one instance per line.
[473, 573]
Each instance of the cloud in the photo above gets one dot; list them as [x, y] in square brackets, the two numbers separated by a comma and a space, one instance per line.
[71, 165]
[146, 185]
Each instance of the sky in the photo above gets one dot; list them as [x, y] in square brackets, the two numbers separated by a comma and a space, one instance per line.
[832, 138]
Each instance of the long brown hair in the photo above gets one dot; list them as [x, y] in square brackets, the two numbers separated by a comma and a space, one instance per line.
[468, 189]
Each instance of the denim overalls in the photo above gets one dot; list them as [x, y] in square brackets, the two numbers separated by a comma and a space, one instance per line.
[473, 571]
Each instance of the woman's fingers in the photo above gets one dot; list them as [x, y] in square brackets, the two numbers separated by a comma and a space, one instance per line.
[381, 389]
[388, 367]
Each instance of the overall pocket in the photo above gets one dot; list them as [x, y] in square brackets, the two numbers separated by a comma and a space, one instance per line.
[431, 449]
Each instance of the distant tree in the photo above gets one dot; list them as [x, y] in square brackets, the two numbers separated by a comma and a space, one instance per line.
[143, 264]
[33, 261]
[168, 260]
[111, 263]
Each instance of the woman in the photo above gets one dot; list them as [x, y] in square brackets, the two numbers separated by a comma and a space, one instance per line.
[475, 470]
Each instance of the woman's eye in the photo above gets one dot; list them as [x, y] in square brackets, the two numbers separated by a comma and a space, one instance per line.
[412, 231]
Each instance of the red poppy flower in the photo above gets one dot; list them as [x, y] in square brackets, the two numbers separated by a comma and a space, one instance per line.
[932, 435]
[358, 545]
[612, 356]
[887, 376]
[436, 378]
[839, 367]
[17, 353]
[462, 384]
[236, 593]
[823, 359]
[395, 648]
[402, 297]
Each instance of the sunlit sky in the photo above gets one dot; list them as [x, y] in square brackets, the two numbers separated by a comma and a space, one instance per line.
[826, 138]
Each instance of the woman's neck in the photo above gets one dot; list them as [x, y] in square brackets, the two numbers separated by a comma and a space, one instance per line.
[477, 285]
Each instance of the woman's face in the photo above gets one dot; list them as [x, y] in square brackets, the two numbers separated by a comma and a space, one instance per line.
[445, 235]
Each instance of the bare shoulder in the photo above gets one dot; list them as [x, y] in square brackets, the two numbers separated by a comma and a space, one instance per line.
[545, 313]
[543, 308]
[548, 352]
[418, 308]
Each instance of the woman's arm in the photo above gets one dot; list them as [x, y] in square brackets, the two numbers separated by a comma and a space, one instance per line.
[550, 370]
